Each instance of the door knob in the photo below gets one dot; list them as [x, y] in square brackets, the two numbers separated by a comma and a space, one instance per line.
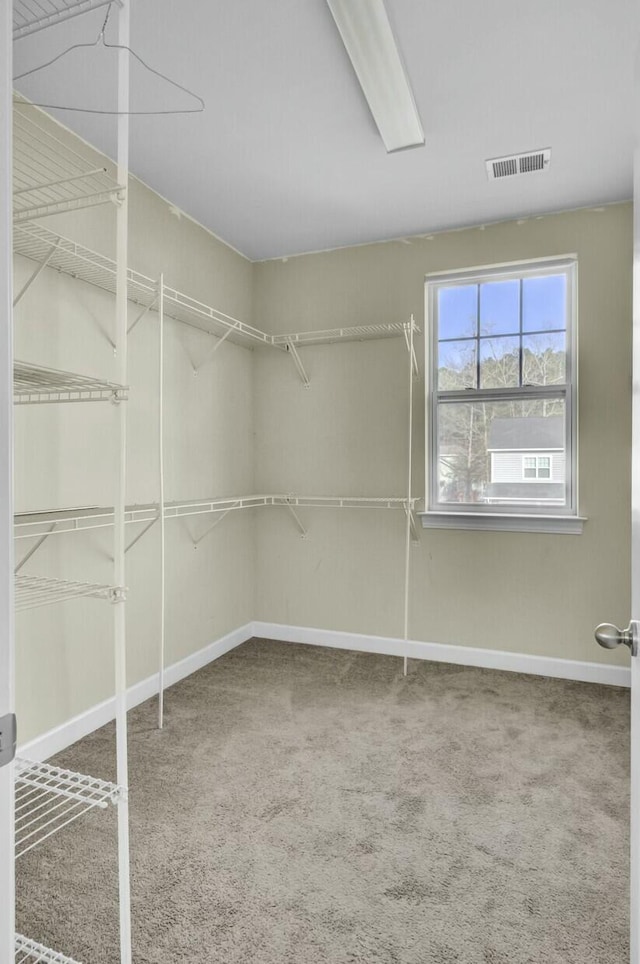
[609, 636]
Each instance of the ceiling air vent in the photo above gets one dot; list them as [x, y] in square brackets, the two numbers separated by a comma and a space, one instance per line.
[518, 164]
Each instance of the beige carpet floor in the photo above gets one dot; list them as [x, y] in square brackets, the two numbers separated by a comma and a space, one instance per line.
[310, 806]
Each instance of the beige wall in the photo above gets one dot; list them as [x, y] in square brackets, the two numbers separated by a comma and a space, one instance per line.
[65, 457]
[246, 424]
[346, 435]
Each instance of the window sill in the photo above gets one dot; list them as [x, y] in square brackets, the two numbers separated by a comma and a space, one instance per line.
[562, 524]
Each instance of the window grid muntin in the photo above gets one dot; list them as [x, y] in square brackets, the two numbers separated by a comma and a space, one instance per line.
[566, 265]
[537, 464]
[478, 338]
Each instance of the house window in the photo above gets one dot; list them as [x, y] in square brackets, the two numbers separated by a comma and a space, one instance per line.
[536, 467]
[501, 392]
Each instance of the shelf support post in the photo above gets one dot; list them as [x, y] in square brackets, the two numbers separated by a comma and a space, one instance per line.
[122, 227]
[408, 334]
[7, 649]
[293, 351]
[161, 498]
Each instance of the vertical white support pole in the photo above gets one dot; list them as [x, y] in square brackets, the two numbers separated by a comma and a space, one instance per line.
[407, 548]
[122, 227]
[7, 890]
[161, 497]
[635, 539]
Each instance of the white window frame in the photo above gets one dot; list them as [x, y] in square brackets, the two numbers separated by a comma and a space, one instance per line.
[528, 518]
[536, 468]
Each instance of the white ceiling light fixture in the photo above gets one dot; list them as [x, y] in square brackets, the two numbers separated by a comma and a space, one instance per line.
[367, 35]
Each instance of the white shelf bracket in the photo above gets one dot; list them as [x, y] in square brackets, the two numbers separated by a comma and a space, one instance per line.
[36, 274]
[145, 311]
[296, 519]
[209, 529]
[141, 533]
[293, 351]
[32, 551]
[415, 538]
[409, 329]
[184, 346]
[209, 355]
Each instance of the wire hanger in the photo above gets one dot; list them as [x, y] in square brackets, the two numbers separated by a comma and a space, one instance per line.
[101, 40]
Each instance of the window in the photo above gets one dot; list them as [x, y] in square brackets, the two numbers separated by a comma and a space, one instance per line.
[536, 467]
[501, 392]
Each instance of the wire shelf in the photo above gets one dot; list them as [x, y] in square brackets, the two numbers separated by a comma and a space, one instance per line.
[189, 311]
[204, 507]
[332, 335]
[33, 385]
[31, 592]
[56, 521]
[48, 798]
[30, 952]
[343, 502]
[45, 247]
[30, 16]
[49, 177]
[30, 525]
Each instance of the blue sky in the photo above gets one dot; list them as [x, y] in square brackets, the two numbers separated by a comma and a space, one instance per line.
[492, 310]
[543, 307]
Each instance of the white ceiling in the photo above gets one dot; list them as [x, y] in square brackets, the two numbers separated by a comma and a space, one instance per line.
[286, 157]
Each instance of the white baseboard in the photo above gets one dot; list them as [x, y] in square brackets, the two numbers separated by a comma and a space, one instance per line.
[74, 729]
[92, 719]
[582, 671]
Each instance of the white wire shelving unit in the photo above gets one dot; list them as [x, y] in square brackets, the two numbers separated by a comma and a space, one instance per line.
[30, 16]
[36, 242]
[30, 952]
[30, 525]
[32, 592]
[36, 385]
[40, 526]
[46, 248]
[49, 177]
[197, 314]
[48, 799]
[332, 336]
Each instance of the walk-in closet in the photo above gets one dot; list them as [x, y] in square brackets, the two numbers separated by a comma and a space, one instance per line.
[319, 474]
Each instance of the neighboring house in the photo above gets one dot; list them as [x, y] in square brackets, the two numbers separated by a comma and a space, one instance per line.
[527, 460]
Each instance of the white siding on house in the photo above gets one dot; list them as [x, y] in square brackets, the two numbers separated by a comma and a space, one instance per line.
[558, 461]
[508, 466]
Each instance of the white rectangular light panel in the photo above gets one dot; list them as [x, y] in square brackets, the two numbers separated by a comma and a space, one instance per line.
[367, 35]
